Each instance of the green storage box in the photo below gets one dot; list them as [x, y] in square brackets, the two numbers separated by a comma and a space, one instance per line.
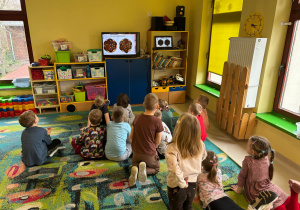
[79, 96]
[62, 56]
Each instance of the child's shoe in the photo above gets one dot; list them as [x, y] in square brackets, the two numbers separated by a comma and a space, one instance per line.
[264, 200]
[142, 172]
[133, 176]
[295, 185]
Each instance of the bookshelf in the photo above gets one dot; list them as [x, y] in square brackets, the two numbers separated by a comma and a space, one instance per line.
[172, 93]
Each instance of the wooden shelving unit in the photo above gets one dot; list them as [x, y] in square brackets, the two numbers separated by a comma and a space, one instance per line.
[44, 95]
[66, 85]
[172, 93]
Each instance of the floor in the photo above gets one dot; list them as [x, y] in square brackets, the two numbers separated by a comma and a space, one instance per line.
[284, 169]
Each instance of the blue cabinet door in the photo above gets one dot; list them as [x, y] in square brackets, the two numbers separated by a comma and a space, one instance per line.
[139, 80]
[117, 78]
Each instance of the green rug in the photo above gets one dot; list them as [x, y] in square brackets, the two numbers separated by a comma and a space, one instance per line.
[66, 181]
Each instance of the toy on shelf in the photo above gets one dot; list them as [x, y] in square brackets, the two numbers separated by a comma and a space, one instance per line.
[178, 79]
[44, 60]
[166, 81]
[67, 98]
[154, 83]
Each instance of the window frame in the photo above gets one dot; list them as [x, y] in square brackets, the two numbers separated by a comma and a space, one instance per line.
[12, 15]
[295, 15]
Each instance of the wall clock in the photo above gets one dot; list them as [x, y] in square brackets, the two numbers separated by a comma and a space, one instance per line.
[254, 25]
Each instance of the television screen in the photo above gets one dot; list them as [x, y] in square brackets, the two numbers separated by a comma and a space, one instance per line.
[121, 44]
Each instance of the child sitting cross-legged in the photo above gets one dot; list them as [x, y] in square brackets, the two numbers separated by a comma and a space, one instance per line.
[100, 104]
[146, 135]
[166, 137]
[212, 195]
[36, 141]
[123, 101]
[118, 145]
[196, 109]
[91, 142]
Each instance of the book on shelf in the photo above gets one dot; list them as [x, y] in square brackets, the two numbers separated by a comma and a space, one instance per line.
[160, 62]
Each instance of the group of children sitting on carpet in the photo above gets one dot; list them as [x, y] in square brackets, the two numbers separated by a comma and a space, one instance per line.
[191, 169]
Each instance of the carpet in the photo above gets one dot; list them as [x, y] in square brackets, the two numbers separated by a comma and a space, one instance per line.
[66, 181]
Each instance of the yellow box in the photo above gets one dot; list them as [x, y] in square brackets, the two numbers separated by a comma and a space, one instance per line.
[160, 89]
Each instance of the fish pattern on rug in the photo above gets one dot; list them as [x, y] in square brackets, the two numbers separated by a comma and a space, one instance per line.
[66, 181]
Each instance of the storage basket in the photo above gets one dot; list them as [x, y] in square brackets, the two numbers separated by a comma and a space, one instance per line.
[94, 89]
[80, 57]
[64, 72]
[97, 72]
[62, 46]
[38, 89]
[95, 55]
[62, 56]
[79, 96]
[46, 102]
[37, 74]
[48, 74]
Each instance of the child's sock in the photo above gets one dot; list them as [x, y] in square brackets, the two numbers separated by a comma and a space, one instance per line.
[133, 176]
[142, 172]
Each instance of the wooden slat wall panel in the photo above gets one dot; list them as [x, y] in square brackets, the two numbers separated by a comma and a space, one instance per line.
[222, 93]
[251, 124]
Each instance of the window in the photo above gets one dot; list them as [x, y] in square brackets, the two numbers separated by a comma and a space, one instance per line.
[15, 45]
[225, 24]
[287, 99]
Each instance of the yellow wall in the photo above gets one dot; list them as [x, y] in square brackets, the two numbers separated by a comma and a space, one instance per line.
[83, 21]
[273, 12]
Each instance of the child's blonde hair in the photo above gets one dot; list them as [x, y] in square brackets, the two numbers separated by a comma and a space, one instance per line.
[202, 100]
[210, 164]
[95, 116]
[99, 101]
[157, 113]
[195, 108]
[150, 101]
[27, 119]
[163, 105]
[262, 148]
[187, 136]
[118, 114]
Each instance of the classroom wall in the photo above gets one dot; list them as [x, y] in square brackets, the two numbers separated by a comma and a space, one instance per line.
[83, 21]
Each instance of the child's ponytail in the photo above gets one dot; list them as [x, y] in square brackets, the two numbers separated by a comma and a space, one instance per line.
[271, 167]
[163, 105]
[210, 164]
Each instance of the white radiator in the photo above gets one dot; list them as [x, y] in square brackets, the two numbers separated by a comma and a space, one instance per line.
[248, 52]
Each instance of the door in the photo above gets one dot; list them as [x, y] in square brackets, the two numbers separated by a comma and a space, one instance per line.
[117, 78]
[139, 80]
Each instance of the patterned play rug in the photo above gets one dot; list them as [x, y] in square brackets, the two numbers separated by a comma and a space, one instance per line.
[66, 181]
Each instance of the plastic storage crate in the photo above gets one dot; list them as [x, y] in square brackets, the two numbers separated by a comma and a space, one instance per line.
[66, 98]
[49, 88]
[46, 102]
[62, 56]
[62, 46]
[37, 74]
[21, 82]
[94, 89]
[38, 88]
[48, 74]
[79, 71]
[80, 57]
[64, 72]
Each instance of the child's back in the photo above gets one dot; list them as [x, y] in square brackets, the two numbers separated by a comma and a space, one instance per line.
[100, 104]
[203, 101]
[196, 110]
[123, 100]
[167, 115]
[118, 146]
[34, 145]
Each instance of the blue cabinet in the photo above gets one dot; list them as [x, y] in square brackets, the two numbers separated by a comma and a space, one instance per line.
[130, 76]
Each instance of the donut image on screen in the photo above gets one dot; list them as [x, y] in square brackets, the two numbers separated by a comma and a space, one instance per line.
[125, 45]
[110, 45]
[160, 42]
[167, 42]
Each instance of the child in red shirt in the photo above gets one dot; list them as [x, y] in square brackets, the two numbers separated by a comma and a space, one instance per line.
[196, 109]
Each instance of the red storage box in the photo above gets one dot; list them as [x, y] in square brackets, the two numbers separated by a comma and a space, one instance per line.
[44, 62]
[37, 74]
[94, 89]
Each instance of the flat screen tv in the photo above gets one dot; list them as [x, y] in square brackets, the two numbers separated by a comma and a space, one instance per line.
[120, 44]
